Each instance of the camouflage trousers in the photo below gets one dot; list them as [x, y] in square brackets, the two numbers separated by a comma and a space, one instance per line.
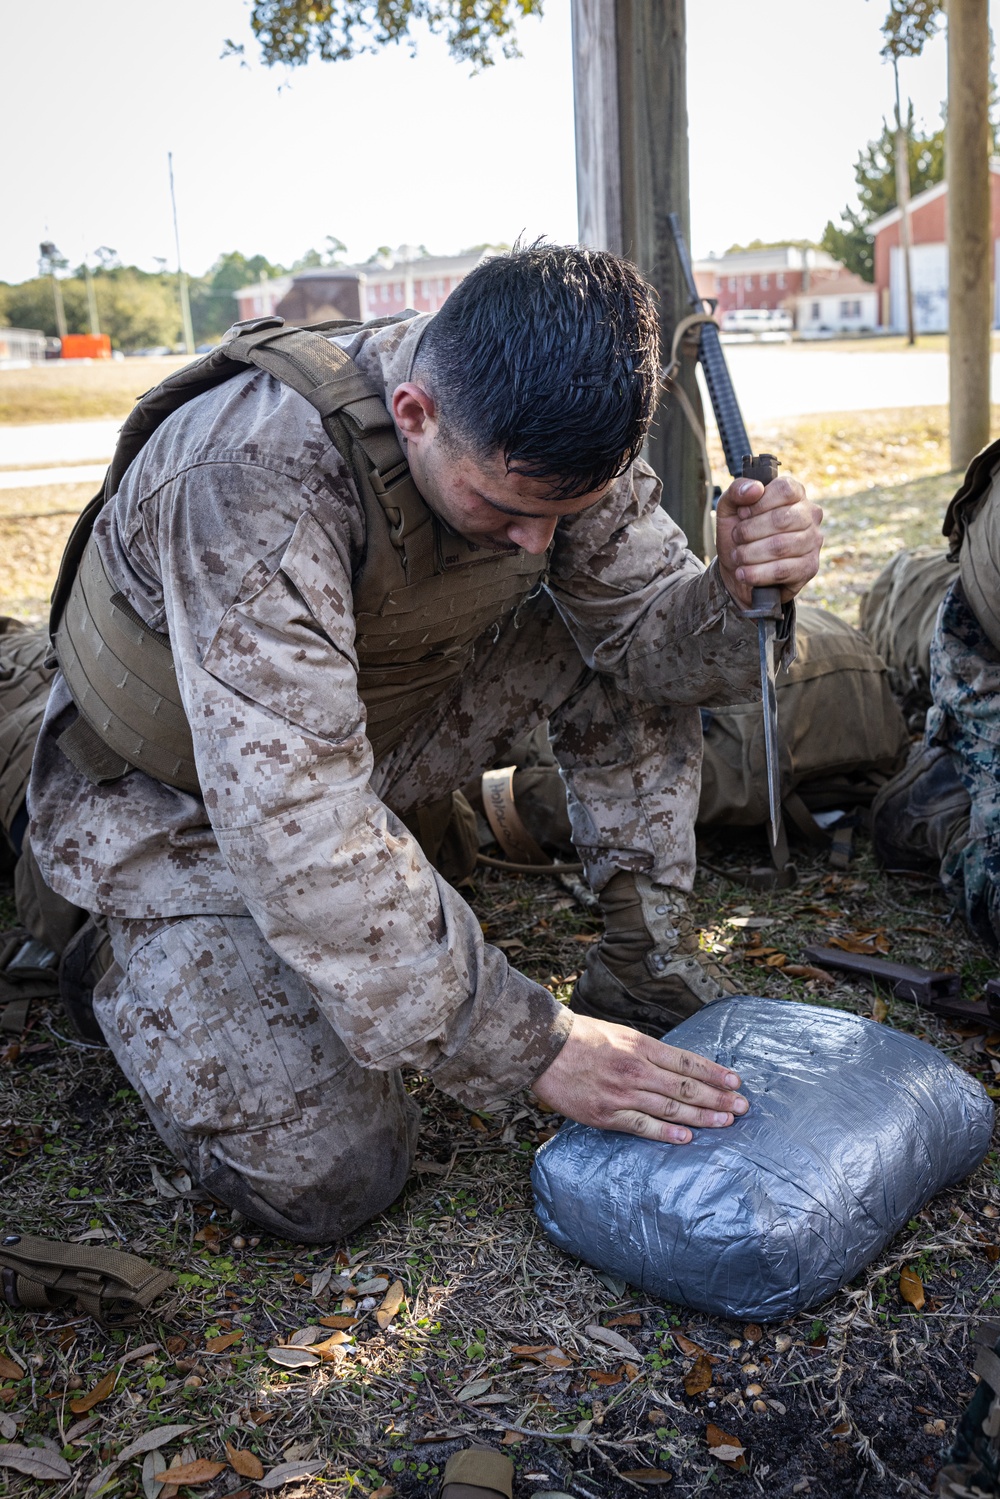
[965, 718]
[239, 1068]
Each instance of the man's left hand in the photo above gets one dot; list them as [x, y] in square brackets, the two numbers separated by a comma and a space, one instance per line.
[767, 538]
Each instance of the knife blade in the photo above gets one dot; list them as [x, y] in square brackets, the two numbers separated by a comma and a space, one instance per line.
[766, 609]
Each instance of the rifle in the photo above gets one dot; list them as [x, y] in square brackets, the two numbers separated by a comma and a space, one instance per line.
[765, 606]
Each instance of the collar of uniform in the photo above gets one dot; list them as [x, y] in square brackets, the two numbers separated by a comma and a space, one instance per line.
[386, 355]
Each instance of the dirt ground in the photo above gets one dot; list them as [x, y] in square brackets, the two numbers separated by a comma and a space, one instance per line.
[857, 1397]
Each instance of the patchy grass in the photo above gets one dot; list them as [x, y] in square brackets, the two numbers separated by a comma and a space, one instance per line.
[34, 526]
[74, 390]
[857, 1397]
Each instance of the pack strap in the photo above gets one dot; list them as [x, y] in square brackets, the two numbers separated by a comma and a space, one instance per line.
[42, 1274]
[28, 971]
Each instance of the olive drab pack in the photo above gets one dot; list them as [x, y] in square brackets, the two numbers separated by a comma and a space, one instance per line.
[422, 595]
[898, 614]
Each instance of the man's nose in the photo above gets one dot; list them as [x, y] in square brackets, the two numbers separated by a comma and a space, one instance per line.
[532, 535]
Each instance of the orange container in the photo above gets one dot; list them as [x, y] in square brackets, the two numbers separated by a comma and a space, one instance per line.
[86, 346]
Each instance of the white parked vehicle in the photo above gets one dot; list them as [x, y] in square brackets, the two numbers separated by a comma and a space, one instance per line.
[768, 324]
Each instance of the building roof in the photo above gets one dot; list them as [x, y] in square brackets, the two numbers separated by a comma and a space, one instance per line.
[845, 285]
[781, 258]
[927, 196]
[374, 272]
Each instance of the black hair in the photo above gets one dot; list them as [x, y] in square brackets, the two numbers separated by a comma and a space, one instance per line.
[549, 356]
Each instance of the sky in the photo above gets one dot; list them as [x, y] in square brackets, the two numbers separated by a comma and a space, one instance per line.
[398, 149]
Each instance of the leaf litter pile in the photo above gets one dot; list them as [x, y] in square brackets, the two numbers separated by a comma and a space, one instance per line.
[358, 1368]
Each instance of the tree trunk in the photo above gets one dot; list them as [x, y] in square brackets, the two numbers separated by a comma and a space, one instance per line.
[632, 171]
[969, 228]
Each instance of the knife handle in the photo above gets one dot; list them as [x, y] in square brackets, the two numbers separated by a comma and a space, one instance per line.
[766, 602]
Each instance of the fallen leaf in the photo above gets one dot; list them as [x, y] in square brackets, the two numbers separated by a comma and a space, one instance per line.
[247, 1464]
[648, 1475]
[143, 1351]
[102, 1481]
[373, 1287]
[303, 1337]
[880, 1010]
[865, 942]
[80, 1428]
[151, 1465]
[223, 1341]
[383, 1493]
[725, 1448]
[753, 1333]
[911, 1287]
[628, 1319]
[557, 1359]
[320, 1281]
[10, 1370]
[531, 1350]
[477, 1387]
[612, 1340]
[807, 971]
[285, 1472]
[776, 960]
[159, 1436]
[96, 1395]
[332, 1349]
[391, 1305]
[580, 1430]
[8, 1427]
[341, 1322]
[510, 944]
[258, 1417]
[293, 1358]
[841, 1429]
[698, 1378]
[200, 1471]
[631, 1371]
[37, 1462]
[176, 1345]
[604, 1376]
[693, 1350]
[511, 1439]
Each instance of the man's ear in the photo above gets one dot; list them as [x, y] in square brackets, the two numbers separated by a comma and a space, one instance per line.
[414, 411]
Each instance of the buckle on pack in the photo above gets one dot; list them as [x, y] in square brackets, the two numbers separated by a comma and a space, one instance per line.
[253, 324]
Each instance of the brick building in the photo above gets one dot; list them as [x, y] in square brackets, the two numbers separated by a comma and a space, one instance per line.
[929, 240]
[768, 279]
[372, 290]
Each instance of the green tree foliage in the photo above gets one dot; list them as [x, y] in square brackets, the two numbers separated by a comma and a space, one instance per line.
[213, 301]
[909, 24]
[875, 174]
[293, 31]
[137, 310]
[773, 244]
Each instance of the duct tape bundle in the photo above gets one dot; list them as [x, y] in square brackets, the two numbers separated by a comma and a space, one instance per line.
[851, 1128]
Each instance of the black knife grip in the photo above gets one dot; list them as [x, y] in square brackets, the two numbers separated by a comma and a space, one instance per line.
[766, 602]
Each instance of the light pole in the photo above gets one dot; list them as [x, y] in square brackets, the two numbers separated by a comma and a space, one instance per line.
[182, 285]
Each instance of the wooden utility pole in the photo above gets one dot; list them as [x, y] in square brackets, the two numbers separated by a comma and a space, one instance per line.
[630, 92]
[969, 231]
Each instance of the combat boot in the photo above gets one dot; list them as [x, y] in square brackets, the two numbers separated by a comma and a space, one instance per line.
[646, 971]
[922, 814]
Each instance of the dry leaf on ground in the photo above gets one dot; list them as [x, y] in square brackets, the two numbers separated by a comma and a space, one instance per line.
[628, 1319]
[612, 1340]
[223, 1341]
[285, 1472]
[880, 1010]
[373, 1287]
[807, 971]
[152, 1463]
[96, 1395]
[693, 1350]
[246, 1463]
[341, 1322]
[10, 1370]
[293, 1358]
[699, 1377]
[37, 1462]
[911, 1287]
[332, 1348]
[159, 1436]
[866, 943]
[391, 1305]
[725, 1448]
[477, 1387]
[648, 1475]
[304, 1337]
[200, 1471]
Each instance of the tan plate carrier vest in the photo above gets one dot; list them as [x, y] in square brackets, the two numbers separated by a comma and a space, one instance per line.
[422, 595]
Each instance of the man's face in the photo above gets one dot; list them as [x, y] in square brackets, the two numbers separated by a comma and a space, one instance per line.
[481, 501]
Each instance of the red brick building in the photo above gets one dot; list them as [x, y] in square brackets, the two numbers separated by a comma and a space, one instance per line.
[769, 279]
[929, 239]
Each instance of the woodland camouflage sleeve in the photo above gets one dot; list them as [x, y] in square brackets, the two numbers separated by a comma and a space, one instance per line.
[642, 608]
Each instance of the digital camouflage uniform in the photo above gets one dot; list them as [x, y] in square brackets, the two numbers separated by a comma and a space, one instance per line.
[282, 945]
[965, 719]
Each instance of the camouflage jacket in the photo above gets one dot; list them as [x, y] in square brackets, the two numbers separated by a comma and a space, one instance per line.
[233, 498]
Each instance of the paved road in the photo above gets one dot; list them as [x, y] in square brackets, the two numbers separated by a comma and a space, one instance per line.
[772, 382]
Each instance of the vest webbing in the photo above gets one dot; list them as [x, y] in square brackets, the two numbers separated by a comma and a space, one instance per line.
[422, 595]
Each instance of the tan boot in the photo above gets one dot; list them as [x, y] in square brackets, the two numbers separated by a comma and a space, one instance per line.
[646, 971]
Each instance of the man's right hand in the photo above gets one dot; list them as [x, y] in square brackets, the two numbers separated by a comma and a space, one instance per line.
[615, 1078]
